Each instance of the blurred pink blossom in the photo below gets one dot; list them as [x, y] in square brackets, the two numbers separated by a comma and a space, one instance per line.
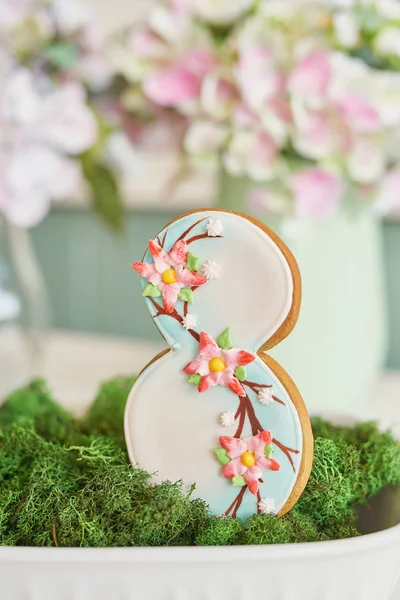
[311, 76]
[388, 197]
[360, 115]
[317, 194]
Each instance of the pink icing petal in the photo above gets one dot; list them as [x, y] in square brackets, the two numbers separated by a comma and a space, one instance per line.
[235, 386]
[255, 444]
[169, 296]
[194, 366]
[189, 278]
[253, 486]
[205, 383]
[265, 436]
[233, 446]
[208, 347]
[237, 357]
[233, 468]
[178, 253]
[155, 249]
[144, 269]
[159, 256]
[267, 463]
[216, 377]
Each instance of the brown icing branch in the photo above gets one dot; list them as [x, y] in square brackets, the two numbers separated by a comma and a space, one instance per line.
[202, 236]
[287, 451]
[246, 408]
[189, 229]
[258, 502]
[234, 507]
[256, 387]
[174, 315]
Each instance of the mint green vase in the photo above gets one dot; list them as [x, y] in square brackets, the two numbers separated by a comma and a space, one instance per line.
[338, 348]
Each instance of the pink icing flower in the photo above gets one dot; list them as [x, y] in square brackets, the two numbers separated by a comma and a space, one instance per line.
[312, 75]
[248, 458]
[316, 193]
[217, 366]
[168, 272]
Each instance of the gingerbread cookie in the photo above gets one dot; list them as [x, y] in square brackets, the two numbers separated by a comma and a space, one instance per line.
[214, 410]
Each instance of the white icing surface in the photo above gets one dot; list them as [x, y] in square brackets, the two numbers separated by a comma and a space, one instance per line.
[254, 292]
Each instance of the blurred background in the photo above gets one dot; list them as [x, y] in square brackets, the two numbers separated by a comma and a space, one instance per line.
[117, 116]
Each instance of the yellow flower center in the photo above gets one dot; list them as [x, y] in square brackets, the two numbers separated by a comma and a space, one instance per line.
[248, 459]
[169, 276]
[217, 365]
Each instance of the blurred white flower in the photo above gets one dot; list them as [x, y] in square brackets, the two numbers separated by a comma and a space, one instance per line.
[387, 42]
[39, 130]
[346, 28]
[388, 196]
[390, 9]
[252, 153]
[70, 15]
[366, 161]
[220, 11]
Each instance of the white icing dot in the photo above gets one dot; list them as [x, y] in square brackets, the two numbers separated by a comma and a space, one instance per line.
[265, 396]
[211, 269]
[214, 227]
[189, 321]
[227, 419]
[266, 506]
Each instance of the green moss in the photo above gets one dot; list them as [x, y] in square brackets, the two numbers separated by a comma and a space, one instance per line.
[68, 482]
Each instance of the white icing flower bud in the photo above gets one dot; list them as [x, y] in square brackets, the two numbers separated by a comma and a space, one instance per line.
[211, 269]
[265, 396]
[189, 321]
[266, 506]
[214, 228]
[227, 419]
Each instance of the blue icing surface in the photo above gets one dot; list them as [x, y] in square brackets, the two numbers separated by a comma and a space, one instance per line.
[282, 421]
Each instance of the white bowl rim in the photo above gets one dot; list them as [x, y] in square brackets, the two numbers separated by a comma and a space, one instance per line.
[180, 554]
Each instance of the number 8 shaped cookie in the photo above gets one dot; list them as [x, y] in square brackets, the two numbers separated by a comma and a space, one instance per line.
[214, 410]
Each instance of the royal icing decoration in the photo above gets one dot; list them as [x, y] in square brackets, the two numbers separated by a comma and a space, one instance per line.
[214, 227]
[244, 460]
[211, 269]
[266, 506]
[170, 275]
[265, 396]
[215, 372]
[189, 321]
[227, 419]
[218, 363]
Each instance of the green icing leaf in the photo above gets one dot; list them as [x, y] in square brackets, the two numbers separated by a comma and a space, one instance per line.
[186, 294]
[240, 373]
[238, 481]
[192, 262]
[151, 290]
[224, 341]
[269, 450]
[195, 379]
[222, 456]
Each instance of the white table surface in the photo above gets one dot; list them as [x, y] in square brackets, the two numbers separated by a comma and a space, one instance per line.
[75, 363]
